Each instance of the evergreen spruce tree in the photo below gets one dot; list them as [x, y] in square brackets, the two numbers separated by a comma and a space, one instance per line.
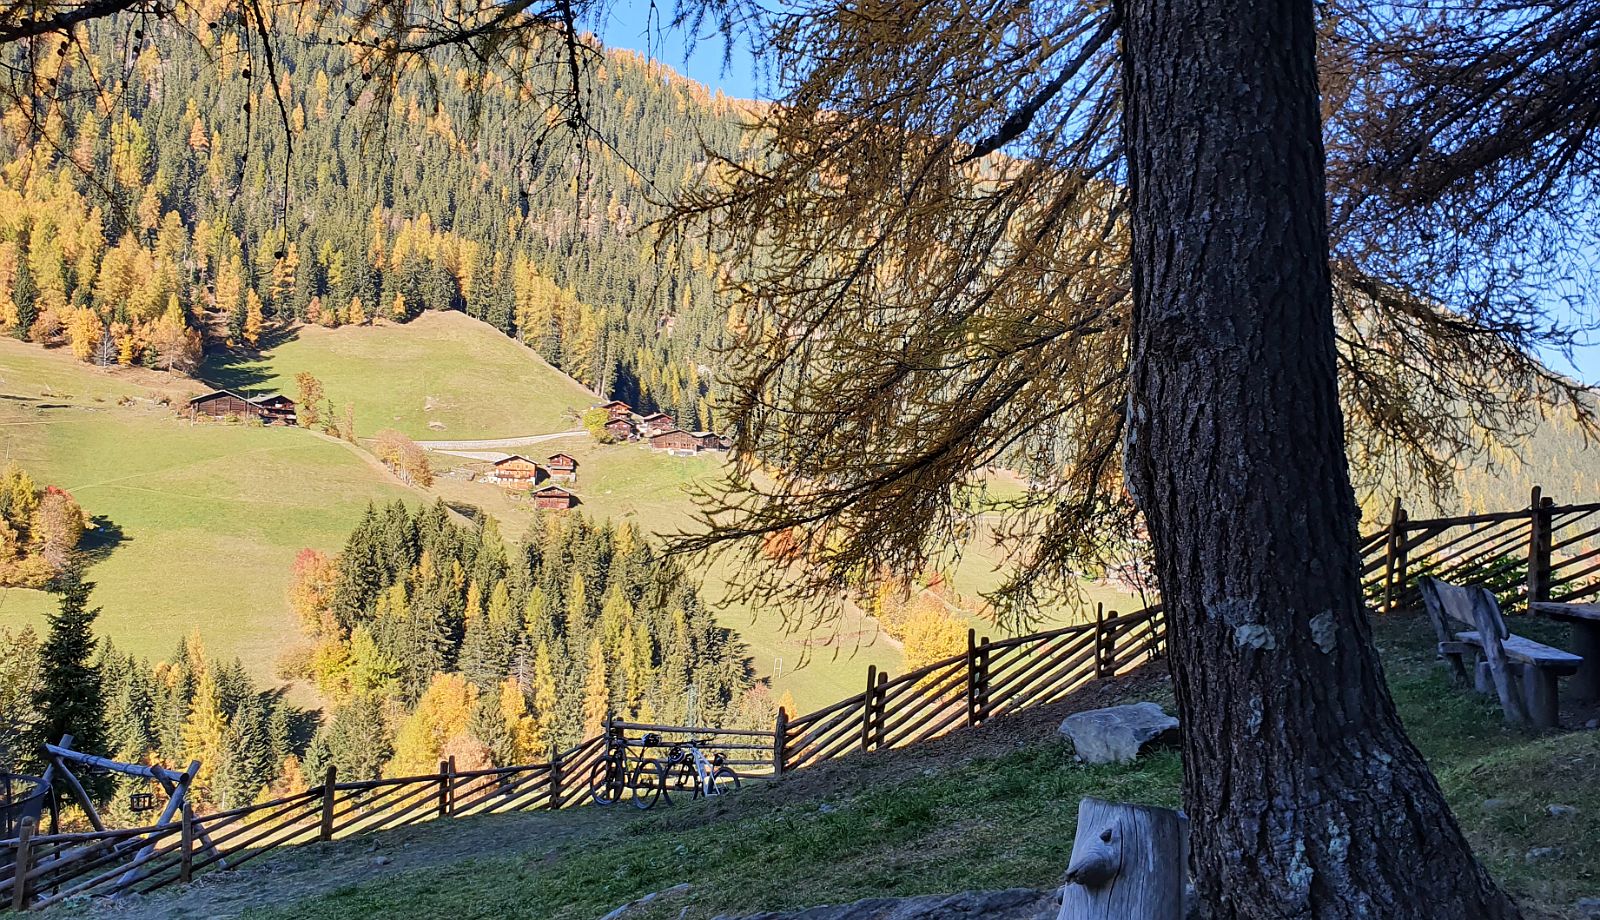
[69, 699]
[25, 294]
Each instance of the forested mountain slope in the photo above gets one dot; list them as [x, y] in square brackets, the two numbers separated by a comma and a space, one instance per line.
[166, 204]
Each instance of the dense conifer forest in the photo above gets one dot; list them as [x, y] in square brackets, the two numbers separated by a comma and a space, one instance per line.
[158, 211]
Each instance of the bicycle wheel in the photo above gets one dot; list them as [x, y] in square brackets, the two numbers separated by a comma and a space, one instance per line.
[605, 781]
[724, 781]
[677, 779]
[649, 782]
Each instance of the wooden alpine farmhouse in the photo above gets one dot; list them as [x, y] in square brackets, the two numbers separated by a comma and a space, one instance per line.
[710, 440]
[553, 498]
[517, 473]
[563, 467]
[656, 423]
[275, 408]
[675, 441]
[617, 408]
[621, 428]
[271, 409]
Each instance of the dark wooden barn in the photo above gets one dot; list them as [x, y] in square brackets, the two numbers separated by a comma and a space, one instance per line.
[675, 440]
[222, 404]
[272, 409]
[553, 498]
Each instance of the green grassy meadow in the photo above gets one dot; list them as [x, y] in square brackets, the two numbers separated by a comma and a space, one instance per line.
[443, 369]
[197, 524]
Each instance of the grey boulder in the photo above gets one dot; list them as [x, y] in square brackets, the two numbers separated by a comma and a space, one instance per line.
[1118, 733]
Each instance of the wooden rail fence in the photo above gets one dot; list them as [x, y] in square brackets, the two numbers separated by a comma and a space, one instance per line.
[1544, 552]
[990, 678]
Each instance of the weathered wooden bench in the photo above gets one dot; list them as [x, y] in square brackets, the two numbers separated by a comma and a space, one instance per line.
[1521, 672]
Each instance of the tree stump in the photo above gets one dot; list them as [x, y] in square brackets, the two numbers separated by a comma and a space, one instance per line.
[1129, 862]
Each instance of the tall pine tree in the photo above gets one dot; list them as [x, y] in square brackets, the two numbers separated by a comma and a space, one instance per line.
[69, 699]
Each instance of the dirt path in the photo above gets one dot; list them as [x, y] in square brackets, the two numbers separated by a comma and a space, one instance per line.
[293, 873]
[497, 444]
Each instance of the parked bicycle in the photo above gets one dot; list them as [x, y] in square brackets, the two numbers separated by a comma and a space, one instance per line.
[649, 780]
[686, 766]
[609, 778]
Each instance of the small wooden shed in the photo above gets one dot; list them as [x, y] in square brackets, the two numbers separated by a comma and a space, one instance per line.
[710, 440]
[553, 498]
[622, 429]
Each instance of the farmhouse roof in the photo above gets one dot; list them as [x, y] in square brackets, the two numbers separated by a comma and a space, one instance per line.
[562, 456]
[268, 397]
[512, 457]
[655, 415]
[215, 393]
[551, 489]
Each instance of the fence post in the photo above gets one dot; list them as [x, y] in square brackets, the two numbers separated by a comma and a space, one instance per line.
[780, 735]
[972, 677]
[555, 776]
[19, 888]
[1391, 553]
[1539, 543]
[186, 867]
[867, 707]
[1101, 646]
[983, 680]
[881, 723]
[452, 785]
[444, 788]
[329, 780]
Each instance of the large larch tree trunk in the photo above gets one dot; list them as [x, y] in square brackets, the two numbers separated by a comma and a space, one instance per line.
[1305, 797]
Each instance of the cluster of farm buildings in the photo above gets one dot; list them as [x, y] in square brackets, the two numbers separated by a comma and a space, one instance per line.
[517, 473]
[657, 429]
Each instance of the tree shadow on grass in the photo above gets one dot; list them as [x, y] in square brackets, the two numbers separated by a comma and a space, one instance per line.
[302, 724]
[103, 536]
[245, 370]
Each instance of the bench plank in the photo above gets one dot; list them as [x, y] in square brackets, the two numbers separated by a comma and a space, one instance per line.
[1558, 610]
[1526, 651]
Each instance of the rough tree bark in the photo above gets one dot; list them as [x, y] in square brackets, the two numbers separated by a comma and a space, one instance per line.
[1306, 798]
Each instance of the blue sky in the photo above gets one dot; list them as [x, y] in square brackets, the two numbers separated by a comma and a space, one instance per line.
[626, 25]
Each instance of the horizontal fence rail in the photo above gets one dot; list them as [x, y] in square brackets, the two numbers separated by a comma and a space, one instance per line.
[1545, 552]
[991, 678]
